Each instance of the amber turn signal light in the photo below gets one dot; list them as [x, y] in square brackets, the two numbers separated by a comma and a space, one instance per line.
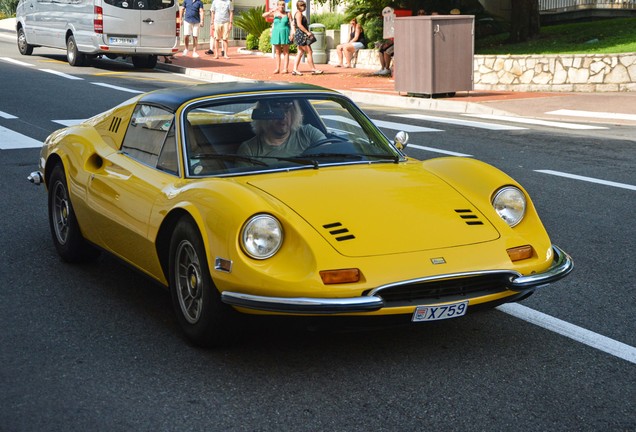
[330, 277]
[520, 253]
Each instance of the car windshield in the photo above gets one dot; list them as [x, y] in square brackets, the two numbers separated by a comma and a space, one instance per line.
[283, 132]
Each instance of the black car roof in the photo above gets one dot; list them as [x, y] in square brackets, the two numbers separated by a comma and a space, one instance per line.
[173, 98]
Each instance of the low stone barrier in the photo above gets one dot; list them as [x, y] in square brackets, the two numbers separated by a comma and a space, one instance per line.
[561, 72]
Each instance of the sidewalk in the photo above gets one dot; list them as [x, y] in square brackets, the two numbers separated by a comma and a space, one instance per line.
[365, 87]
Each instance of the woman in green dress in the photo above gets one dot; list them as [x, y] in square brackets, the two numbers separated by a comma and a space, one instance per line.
[282, 34]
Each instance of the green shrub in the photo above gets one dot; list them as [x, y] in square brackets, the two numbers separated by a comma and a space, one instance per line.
[251, 42]
[7, 8]
[265, 41]
[252, 21]
[331, 20]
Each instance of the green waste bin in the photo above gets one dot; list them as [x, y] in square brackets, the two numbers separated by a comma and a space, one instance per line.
[319, 47]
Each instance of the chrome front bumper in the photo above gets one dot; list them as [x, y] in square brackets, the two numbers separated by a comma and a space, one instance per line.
[561, 267]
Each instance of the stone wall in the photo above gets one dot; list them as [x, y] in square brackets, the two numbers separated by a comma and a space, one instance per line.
[563, 72]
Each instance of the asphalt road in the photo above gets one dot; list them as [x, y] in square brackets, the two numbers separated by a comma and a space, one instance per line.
[96, 347]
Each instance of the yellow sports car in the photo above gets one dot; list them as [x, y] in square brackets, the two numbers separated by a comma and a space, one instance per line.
[272, 198]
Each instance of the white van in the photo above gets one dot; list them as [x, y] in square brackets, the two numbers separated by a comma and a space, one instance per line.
[87, 29]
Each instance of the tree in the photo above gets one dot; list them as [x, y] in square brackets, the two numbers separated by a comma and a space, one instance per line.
[524, 20]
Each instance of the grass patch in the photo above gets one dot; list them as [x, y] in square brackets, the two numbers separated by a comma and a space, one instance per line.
[610, 36]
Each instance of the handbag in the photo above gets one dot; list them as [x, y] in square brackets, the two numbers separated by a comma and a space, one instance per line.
[310, 38]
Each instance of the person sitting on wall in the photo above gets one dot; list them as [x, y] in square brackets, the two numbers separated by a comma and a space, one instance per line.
[356, 42]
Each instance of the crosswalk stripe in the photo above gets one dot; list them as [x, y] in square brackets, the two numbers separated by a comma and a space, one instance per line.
[538, 122]
[588, 179]
[68, 122]
[383, 124]
[594, 114]
[14, 140]
[14, 61]
[7, 115]
[436, 150]
[114, 87]
[459, 122]
[61, 74]
[403, 127]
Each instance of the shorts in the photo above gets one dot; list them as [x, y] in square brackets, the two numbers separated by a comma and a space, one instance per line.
[357, 45]
[222, 30]
[190, 29]
[387, 48]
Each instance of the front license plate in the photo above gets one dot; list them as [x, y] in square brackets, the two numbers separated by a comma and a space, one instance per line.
[440, 312]
[122, 41]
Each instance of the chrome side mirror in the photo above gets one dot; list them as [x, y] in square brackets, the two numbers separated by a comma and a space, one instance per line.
[401, 139]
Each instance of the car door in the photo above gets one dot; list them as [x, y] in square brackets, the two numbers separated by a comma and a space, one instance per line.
[121, 195]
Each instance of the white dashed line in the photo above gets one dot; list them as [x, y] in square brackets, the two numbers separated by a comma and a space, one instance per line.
[588, 179]
[579, 334]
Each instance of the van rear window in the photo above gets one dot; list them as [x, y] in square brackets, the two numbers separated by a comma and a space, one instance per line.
[141, 4]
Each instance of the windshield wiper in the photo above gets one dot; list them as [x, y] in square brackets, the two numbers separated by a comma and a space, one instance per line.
[230, 157]
[358, 156]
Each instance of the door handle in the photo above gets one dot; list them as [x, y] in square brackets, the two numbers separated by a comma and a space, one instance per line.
[148, 21]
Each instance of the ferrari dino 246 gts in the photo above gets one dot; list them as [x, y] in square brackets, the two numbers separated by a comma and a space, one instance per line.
[193, 187]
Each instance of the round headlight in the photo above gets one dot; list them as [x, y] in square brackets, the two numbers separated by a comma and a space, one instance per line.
[262, 236]
[510, 204]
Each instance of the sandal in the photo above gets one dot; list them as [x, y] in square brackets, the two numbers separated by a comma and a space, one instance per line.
[297, 73]
[316, 72]
[338, 65]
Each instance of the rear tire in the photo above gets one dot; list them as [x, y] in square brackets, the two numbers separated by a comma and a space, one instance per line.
[23, 46]
[74, 57]
[203, 317]
[66, 233]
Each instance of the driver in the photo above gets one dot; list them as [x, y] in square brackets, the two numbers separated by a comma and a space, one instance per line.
[279, 130]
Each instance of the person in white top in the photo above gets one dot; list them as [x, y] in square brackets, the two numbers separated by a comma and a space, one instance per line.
[222, 16]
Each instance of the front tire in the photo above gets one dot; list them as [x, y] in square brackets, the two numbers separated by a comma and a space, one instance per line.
[74, 57]
[65, 230]
[204, 319]
[23, 46]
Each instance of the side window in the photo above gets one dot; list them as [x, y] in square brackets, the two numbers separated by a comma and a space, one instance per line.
[141, 4]
[168, 159]
[146, 134]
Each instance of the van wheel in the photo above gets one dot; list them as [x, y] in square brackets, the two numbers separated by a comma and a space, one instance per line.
[74, 57]
[24, 47]
[145, 62]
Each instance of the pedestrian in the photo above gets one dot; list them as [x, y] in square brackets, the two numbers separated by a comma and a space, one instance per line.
[356, 41]
[282, 34]
[222, 17]
[191, 14]
[385, 53]
[303, 39]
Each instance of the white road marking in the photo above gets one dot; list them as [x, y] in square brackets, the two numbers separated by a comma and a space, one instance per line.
[14, 61]
[524, 120]
[384, 124]
[7, 115]
[480, 125]
[579, 334]
[594, 114]
[403, 127]
[61, 74]
[69, 122]
[13, 140]
[436, 150]
[588, 179]
[114, 87]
